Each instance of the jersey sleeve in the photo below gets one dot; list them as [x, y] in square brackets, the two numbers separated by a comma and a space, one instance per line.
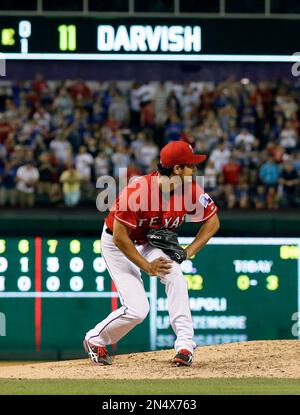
[209, 207]
[203, 205]
[125, 209]
[126, 218]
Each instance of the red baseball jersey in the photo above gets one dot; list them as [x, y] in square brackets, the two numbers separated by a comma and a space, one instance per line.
[142, 206]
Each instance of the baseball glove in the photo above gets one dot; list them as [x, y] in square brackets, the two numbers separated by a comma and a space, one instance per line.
[167, 241]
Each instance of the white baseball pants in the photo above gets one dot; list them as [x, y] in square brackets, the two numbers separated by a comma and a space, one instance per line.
[135, 305]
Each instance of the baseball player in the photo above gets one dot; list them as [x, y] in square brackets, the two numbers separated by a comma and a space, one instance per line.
[129, 245]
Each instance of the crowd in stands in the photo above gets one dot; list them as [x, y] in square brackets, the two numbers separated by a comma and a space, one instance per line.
[58, 137]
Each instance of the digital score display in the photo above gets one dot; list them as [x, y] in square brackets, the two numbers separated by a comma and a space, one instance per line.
[68, 38]
[88, 36]
[53, 290]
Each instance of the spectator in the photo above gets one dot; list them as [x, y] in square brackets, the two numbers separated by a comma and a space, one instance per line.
[146, 94]
[135, 107]
[211, 133]
[260, 198]
[63, 102]
[210, 176]
[8, 193]
[5, 128]
[10, 109]
[269, 173]
[277, 126]
[132, 172]
[3, 152]
[83, 164]
[289, 107]
[49, 122]
[275, 151]
[42, 117]
[91, 145]
[120, 160]
[79, 91]
[173, 104]
[272, 198]
[230, 196]
[62, 149]
[248, 117]
[160, 104]
[245, 137]
[174, 128]
[243, 196]
[146, 154]
[46, 175]
[189, 101]
[48, 184]
[39, 85]
[137, 142]
[101, 165]
[148, 115]
[27, 177]
[289, 180]
[226, 116]
[296, 162]
[118, 110]
[70, 180]
[231, 172]
[220, 156]
[288, 137]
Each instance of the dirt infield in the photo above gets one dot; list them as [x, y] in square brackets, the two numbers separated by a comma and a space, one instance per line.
[259, 359]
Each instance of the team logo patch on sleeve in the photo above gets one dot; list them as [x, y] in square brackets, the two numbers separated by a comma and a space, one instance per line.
[205, 200]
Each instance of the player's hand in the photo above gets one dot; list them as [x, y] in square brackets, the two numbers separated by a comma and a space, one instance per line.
[159, 267]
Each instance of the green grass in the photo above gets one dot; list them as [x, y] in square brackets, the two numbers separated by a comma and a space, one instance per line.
[149, 387]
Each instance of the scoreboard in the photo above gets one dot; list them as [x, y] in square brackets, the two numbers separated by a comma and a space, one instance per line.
[146, 39]
[54, 290]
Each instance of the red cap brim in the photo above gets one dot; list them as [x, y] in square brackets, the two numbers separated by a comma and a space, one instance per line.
[197, 158]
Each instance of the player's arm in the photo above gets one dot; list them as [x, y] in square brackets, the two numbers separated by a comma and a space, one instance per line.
[159, 266]
[207, 230]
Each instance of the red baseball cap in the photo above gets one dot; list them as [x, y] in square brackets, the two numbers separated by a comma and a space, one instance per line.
[179, 152]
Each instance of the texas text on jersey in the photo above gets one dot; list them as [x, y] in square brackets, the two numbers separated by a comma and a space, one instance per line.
[158, 211]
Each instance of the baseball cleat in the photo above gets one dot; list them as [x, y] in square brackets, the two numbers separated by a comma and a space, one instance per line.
[97, 354]
[183, 358]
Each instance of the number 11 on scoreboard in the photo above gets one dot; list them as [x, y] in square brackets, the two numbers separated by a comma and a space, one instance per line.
[67, 37]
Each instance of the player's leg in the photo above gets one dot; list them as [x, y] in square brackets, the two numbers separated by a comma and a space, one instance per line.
[135, 305]
[178, 302]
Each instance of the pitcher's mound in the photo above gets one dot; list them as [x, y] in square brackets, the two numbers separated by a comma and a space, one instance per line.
[266, 359]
